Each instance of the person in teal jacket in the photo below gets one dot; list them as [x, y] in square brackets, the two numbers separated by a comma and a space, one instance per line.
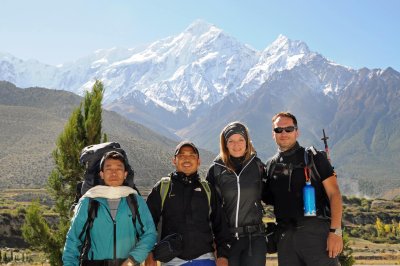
[114, 239]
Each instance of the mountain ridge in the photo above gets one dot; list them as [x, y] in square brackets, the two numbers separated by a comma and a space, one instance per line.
[32, 119]
[191, 84]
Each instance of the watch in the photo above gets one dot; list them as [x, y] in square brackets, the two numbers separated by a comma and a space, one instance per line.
[336, 231]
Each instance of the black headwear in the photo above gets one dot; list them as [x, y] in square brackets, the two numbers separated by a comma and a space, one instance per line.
[235, 128]
[186, 143]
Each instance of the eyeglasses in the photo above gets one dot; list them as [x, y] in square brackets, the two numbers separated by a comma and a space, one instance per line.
[287, 129]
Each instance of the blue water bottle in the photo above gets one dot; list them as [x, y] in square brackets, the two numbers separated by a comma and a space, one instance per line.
[309, 200]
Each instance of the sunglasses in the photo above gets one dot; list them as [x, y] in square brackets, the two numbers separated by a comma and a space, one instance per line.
[287, 129]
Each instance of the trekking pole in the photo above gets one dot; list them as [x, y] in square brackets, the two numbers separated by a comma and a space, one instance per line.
[324, 139]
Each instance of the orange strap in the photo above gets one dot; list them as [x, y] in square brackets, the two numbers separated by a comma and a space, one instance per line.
[306, 169]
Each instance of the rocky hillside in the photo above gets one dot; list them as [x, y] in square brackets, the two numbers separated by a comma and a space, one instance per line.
[31, 120]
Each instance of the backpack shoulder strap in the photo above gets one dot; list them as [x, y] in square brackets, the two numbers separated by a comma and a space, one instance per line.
[309, 154]
[134, 207]
[92, 214]
[164, 187]
[207, 189]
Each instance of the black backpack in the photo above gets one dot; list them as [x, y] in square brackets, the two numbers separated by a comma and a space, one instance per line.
[90, 157]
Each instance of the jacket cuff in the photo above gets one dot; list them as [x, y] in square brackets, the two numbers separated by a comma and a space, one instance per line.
[134, 262]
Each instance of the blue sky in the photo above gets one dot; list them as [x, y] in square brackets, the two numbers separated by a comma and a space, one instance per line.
[350, 32]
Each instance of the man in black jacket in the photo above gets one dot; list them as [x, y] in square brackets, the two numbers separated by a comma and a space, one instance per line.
[305, 239]
[189, 210]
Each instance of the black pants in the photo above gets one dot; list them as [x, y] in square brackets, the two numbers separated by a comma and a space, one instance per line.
[304, 243]
[248, 251]
[102, 262]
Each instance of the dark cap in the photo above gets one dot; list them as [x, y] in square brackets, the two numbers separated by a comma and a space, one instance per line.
[234, 128]
[183, 144]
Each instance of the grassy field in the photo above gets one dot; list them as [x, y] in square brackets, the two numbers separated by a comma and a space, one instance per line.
[368, 253]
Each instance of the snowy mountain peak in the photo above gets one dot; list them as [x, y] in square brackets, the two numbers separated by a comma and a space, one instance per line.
[282, 54]
[199, 27]
[182, 74]
[6, 57]
[283, 45]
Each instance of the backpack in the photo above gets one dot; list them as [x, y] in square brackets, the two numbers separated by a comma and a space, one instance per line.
[91, 157]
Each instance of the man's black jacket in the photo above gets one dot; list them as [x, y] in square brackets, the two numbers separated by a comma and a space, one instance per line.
[186, 211]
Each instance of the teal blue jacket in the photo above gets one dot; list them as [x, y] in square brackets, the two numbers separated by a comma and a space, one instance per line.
[102, 233]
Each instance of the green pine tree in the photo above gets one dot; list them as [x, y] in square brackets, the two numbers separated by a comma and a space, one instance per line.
[82, 129]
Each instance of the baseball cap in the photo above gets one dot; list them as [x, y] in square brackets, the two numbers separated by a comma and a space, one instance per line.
[186, 143]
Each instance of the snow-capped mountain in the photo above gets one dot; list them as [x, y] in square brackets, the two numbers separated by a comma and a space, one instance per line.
[182, 74]
[25, 73]
[192, 84]
[280, 55]
[185, 72]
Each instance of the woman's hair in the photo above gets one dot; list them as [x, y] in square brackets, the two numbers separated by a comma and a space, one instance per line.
[230, 129]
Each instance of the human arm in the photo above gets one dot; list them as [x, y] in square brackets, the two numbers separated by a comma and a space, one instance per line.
[210, 175]
[334, 242]
[130, 262]
[147, 233]
[221, 261]
[150, 261]
[266, 196]
[220, 228]
[72, 251]
[154, 204]
[211, 178]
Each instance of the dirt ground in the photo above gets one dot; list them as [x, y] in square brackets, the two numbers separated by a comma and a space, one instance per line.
[365, 253]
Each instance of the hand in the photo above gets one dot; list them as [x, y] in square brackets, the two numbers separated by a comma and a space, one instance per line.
[221, 261]
[129, 262]
[334, 245]
[150, 260]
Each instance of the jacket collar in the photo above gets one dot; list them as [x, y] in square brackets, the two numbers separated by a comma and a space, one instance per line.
[184, 178]
[289, 152]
